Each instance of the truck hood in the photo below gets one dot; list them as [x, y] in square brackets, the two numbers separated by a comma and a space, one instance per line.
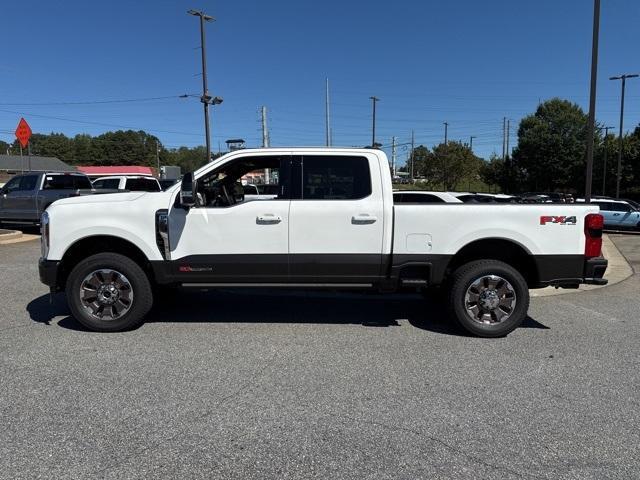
[101, 198]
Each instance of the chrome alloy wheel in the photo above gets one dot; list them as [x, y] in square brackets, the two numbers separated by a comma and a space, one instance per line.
[490, 300]
[106, 294]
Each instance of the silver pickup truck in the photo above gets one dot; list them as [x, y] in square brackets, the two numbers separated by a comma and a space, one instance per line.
[26, 196]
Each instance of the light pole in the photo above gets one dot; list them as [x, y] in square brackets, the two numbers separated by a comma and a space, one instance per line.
[205, 98]
[592, 99]
[620, 138]
[604, 166]
[374, 100]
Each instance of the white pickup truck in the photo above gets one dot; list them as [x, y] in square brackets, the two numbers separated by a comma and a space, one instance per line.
[332, 224]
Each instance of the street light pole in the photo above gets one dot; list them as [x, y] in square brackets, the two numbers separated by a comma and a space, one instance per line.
[206, 98]
[374, 100]
[592, 99]
[620, 137]
[604, 166]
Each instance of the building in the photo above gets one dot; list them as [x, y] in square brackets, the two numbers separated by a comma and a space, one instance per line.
[11, 165]
[94, 172]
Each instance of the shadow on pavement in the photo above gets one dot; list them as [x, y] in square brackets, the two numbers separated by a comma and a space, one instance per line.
[279, 306]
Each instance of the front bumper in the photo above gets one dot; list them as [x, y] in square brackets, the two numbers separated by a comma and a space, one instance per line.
[48, 270]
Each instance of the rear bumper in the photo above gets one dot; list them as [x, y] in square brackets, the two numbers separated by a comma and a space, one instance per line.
[48, 270]
[570, 271]
[594, 269]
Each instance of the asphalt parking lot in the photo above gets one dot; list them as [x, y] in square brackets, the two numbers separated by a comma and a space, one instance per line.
[241, 384]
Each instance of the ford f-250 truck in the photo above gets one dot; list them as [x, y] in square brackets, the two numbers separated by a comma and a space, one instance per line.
[332, 224]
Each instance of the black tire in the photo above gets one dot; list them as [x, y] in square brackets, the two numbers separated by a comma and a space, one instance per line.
[461, 282]
[142, 296]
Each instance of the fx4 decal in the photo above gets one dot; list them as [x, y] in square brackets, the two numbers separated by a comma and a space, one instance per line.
[561, 220]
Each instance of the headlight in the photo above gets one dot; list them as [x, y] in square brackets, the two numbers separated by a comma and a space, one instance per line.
[44, 232]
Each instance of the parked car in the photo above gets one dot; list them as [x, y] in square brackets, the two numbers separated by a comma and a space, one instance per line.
[24, 197]
[471, 197]
[130, 183]
[333, 224]
[423, 196]
[617, 214]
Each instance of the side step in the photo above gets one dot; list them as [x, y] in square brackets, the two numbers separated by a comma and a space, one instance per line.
[413, 282]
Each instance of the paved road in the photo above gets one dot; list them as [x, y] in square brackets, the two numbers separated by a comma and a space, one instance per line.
[316, 385]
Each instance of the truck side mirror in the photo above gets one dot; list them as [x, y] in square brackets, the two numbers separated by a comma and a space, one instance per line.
[188, 191]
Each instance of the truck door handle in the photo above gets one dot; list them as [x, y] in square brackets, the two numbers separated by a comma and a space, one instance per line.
[363, 219]
[268, 219]
[616, 214]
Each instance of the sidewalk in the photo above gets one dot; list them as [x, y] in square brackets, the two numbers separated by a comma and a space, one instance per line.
[15, 236]
[617, 271]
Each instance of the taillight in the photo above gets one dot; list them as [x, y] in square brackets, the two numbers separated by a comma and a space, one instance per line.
[593, 224]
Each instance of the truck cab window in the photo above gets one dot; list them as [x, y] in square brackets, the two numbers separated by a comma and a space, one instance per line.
[246, 179]
[12, 185]
[335, 178]
[28, 182]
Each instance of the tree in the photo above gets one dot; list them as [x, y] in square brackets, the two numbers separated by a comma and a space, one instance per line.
[448, 164]
[551, 149]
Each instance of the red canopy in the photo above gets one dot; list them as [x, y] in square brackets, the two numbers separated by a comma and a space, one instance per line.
[115, 170]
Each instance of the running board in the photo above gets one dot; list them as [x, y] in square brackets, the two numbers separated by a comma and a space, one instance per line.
[279, 285]
[413, 282]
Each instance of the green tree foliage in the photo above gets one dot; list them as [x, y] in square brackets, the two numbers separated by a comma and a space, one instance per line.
[551, 149]
[122, 147]
[449, 166]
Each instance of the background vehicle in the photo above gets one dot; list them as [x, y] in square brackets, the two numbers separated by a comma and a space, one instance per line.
[420, 196]
[165, 183]
[333, 224]
[131, 183]
[260, 191]
[26, 196]
[467, 197]
[618, 214]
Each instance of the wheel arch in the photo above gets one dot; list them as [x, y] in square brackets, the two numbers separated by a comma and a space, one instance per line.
[495, 248]
[94, 244]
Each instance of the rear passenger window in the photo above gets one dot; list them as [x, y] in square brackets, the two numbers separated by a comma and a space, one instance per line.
[142, 185]
[335, 178]
[421, 198]
[66, 182]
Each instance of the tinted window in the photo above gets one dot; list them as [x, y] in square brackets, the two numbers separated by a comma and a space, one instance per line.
[13, 185]
[107, 183]
[335, 178]
[419, 198]
[28, 182]
[142, 185]
[620, 207]
[66, 182]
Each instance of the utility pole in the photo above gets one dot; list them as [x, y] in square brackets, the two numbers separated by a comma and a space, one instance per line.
[326, 113]
[471, 142]
[265, 130]
[592, 100]
[504, 137]
[446, 130]
[265, 141]
[508, 134]
[158, 158]
[205, 98]
[620, 137]
[374, 100]
[413, 147]
[604, 166]
[393, 157]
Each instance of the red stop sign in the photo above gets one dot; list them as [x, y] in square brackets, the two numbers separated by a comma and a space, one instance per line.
[23, 132]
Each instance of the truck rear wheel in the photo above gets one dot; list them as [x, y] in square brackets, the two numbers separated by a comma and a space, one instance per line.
[109, 292]
[488, 298]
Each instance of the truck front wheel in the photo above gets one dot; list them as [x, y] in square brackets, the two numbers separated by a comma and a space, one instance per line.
[488, 298]
[109, 292]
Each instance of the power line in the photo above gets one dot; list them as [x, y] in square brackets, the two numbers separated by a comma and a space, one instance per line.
[91, 102]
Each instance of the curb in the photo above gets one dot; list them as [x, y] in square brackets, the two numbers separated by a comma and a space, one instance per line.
[8, 237]
[618, 270]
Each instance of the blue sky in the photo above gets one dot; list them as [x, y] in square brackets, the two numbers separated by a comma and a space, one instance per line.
[466, 62]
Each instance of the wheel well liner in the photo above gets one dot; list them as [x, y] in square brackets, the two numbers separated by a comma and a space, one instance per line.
[506, 251]
[88, 246]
